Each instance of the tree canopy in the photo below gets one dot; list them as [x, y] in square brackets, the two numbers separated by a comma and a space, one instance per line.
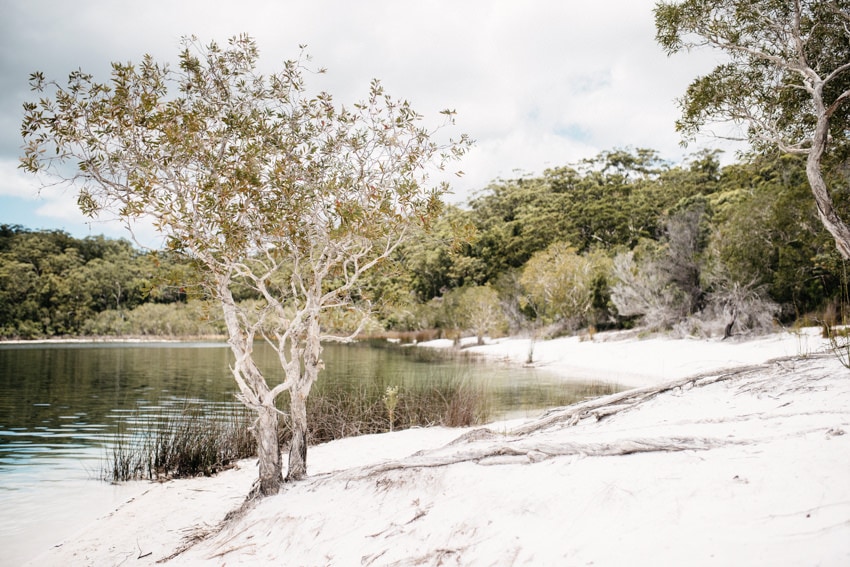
[261, 183]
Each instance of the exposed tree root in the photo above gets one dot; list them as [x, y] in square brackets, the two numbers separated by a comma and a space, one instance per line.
[599, 408]
[520, 451]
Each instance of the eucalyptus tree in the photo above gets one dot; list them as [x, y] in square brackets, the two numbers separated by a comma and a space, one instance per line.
[261, 184]
[786, 77]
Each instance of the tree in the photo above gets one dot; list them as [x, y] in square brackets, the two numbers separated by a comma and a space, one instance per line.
[261, 184]
[766, 231]
[474, 308]
[663, 281]
[642, 289]
[434, 260]
[558, 284]
[787, 78]
[482, 311]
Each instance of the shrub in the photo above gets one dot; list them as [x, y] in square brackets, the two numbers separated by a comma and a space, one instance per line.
[564, 288]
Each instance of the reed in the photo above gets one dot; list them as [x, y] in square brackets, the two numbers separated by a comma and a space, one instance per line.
[187, 444]
[196, 442]
[451, 401]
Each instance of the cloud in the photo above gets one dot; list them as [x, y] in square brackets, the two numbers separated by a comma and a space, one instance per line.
[49, 205]
[537, 84]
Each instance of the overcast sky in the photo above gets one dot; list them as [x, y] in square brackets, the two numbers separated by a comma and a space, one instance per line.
[537, 83]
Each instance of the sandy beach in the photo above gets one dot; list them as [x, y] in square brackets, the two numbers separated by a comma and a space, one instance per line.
[723, 453]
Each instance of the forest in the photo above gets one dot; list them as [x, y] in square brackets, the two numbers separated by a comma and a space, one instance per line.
[622, 240]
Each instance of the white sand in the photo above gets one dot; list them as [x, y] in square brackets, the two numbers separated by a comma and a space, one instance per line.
[753, 469]
[633, 362]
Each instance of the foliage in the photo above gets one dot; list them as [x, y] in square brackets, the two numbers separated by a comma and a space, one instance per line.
[642, 289]
[590, 204]
[438, 259]
[762, 235]
[558, 284]
[607, 202]
[52, 284]
[786, 77]
[743, 308]
[194, 318]
[474, 309]
[766, 231]
[664, 284]
[260, 183]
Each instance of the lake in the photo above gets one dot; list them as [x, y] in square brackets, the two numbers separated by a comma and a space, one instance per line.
[63, 404]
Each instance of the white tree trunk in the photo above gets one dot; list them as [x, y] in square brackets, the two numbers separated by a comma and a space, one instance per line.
[255, 394]
[826, 209]
[298, 447]
[268, 451]
[312, 364]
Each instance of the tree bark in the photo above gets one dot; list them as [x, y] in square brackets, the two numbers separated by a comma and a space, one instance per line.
[254, 393]
[298, 447]
[826, 209]
[310, 354]
[727, 332]
[268, 451]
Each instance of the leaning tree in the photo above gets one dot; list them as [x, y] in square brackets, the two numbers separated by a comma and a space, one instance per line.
[786, 77]
[260, 184]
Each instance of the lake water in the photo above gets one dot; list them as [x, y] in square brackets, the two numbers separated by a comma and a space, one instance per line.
[62, 405]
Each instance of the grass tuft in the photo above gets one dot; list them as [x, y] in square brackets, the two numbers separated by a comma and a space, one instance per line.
[191, 443]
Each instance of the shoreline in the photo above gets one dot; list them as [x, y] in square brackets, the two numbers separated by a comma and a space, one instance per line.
[608, 356]
[681, 471]
[116, 340]
[632, 361]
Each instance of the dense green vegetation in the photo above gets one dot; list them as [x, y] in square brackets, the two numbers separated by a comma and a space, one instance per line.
[614, 241]
[52, 284]
[625, 238]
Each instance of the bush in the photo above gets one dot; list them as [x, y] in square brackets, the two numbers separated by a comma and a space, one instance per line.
[472, 309]
[642, 289]
[562, 287]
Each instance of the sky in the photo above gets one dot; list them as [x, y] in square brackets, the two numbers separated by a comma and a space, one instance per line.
[536, 83]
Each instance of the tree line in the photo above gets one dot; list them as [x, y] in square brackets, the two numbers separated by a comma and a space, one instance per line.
[55, 285]
[626, 239]
[614, 241]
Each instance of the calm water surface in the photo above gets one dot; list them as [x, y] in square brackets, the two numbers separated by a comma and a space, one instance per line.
[62, 405]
